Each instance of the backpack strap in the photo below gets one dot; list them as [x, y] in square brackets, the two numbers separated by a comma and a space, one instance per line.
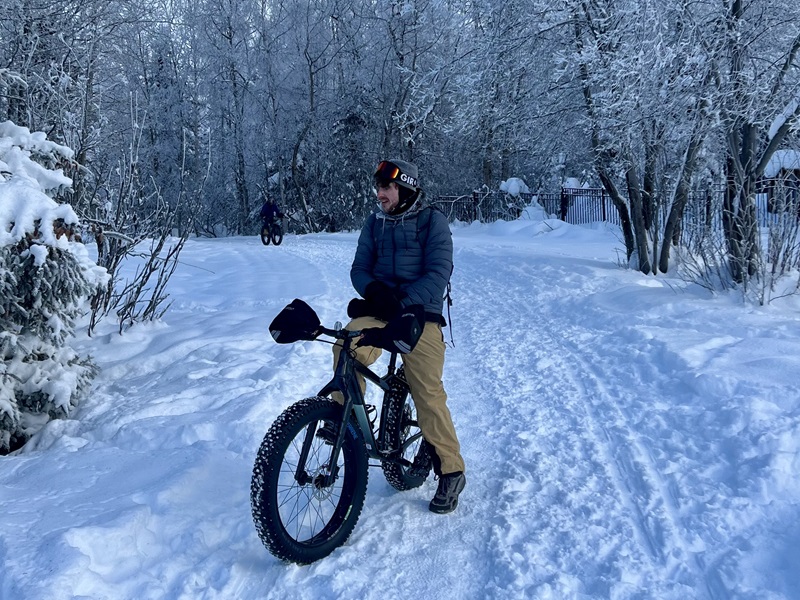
[449, 300]
[428, 210]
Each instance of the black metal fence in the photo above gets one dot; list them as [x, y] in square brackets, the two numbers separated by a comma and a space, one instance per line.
[580, 205]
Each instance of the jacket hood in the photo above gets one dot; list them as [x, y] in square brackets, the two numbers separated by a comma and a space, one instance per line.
[411, 211]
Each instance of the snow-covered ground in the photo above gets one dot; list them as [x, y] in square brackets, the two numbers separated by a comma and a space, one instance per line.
[625, 437]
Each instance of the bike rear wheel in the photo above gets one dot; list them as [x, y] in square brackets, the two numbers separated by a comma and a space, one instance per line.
[277, 234]
[298, 515]
[402, 432]
[265, 235]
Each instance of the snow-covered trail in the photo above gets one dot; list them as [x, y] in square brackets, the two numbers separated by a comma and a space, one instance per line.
[597, 423]
[568, 468]
[550, 453]
[591, 473]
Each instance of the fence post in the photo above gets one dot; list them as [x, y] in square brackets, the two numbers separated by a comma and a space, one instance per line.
[603, 203]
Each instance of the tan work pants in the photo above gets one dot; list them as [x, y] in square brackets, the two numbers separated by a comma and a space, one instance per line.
[423, 366]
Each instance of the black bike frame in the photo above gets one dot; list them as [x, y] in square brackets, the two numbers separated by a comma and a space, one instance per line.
[345, 381]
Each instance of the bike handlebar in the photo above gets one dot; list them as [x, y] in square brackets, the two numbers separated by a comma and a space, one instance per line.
[339, 334]
[346, 334]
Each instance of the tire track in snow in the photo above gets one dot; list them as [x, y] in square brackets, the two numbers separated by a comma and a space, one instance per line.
[611, 393]
[548, 477]
[574, 401]
[651, 500]
[658, 500]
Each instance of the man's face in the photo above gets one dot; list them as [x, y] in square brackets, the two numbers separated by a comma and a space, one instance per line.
[388, 196]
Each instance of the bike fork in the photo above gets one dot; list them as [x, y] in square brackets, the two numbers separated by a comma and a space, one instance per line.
[301, 475]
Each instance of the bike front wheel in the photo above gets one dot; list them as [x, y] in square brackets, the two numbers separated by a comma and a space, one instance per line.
[302, 508]
[277, 234]
[265, 236]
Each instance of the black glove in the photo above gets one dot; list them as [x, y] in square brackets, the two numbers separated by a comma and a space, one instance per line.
[358, 308]
[384, 301]
[371, 336]
[401, 334]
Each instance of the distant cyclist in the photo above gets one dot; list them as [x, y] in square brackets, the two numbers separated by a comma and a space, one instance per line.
[269, 213]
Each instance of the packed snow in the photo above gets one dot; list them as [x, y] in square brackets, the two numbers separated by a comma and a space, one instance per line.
[626, 436]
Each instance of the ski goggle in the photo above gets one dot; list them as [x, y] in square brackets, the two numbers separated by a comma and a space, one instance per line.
[388, 172]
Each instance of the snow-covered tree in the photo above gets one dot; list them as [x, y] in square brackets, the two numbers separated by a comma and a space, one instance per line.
[46, 278]
[759, 112]
[645, 73]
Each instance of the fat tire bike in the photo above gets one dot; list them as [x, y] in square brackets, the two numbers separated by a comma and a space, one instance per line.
[271, 232]
[308, 489]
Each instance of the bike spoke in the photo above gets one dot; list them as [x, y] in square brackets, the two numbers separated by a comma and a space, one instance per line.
[305, 510]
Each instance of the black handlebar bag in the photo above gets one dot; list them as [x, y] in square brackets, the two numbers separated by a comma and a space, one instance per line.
[297, 321]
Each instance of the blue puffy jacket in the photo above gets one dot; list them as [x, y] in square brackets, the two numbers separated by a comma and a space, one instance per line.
[412, 252]
[269, 211]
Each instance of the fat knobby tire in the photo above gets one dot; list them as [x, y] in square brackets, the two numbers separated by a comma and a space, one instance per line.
[399, 411]
[277, 234]
[276, 496]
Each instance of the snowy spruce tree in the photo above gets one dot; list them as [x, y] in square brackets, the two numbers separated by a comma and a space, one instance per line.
[46, 279]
